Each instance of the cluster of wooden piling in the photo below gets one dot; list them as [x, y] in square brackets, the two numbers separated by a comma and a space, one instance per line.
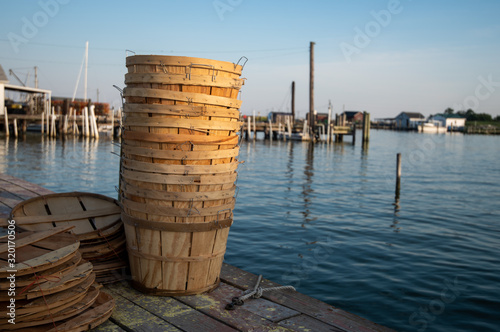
[333, 131]
[85, 125]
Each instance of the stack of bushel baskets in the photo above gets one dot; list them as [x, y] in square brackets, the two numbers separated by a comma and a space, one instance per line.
[178, 170]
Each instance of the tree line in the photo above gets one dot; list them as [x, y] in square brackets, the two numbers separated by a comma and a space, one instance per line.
[470, 115]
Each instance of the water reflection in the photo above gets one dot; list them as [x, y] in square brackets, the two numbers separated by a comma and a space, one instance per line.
[365, 147]
[395, 220]
[289, 167]
[307, 189]
[68, 164]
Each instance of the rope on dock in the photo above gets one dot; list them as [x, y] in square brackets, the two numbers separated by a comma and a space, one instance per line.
[255, 292]
[258, 292]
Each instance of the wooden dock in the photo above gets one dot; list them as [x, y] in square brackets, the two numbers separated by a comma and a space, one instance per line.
[269, 129]
[21, 123]
[283, 310]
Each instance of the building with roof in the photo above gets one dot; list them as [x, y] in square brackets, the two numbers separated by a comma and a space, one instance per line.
[409, 120]
[353, 116]
[6, 86]
[452, 122]
[3, 80]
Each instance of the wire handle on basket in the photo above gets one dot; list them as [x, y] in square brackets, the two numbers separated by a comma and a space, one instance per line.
[218, 213]
[163, 67]
[180, 146]
[214, 75]
[244, 63]
[127, 51]
[121, 92]
[191, 208]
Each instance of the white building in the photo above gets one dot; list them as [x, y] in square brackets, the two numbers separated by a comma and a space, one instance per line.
[450, 121]
[6, 86]
[3, 80]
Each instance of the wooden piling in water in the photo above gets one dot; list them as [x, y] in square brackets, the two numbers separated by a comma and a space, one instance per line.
[14, 122]
[120, 122]
[112, 123]
[398, 175]
[366, 126]
[329, 124]
[48, 121]
[86, 119]
[43, 124]
[93, 122]
[270, 130]
[6, 119]
[83, 122]
[249, 128]
[65, 125]
[53, 126]
[254, 127]
[353, 133]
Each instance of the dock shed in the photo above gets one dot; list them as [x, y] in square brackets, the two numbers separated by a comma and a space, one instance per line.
[6, 86]
[453, 122]
[409, 120]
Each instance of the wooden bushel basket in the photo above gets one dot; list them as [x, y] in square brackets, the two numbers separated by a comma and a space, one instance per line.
[178, 170]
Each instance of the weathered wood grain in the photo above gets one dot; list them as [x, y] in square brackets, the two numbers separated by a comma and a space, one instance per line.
[214, 303]
[302, 303]
[176, 313]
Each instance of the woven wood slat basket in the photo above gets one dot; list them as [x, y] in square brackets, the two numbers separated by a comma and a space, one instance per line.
[178, 170]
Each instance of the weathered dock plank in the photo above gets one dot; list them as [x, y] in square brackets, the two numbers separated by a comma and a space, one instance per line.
[169, 309]
[131, 316]
[108, 326]
[302, 303]
[282, 310]
[242, 319]
[14, 190]
[304, 323]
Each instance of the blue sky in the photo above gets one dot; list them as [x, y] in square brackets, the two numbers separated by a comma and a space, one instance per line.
[384, 57]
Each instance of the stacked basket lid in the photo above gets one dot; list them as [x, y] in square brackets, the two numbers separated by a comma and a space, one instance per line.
[49, 287]
[97, 225]
[178, 169]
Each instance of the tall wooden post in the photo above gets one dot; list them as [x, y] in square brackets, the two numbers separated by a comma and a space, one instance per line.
[6, 121]
[328, 123]
[293, 102]
[353, 134]
[254, 127]
[120, 122]
[14, 123]
[112, 123]
[366, 126]
[311, 89]
[398, 175]
[249, 128]
[270, 130]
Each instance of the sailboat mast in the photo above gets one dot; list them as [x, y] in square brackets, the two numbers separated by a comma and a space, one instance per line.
[86, 67]
[311, 88]
[293, 102]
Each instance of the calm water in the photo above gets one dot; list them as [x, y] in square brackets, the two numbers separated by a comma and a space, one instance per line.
[324, 219]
